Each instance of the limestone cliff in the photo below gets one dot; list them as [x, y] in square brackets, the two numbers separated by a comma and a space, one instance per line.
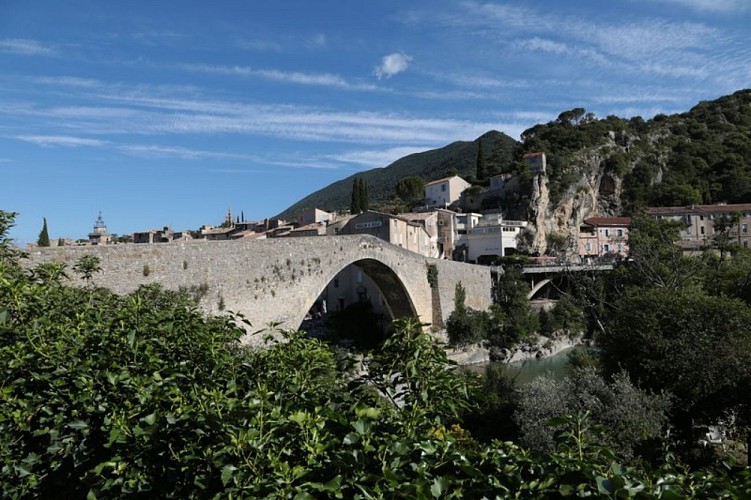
[596, 191]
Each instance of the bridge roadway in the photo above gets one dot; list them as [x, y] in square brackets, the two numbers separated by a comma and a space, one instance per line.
[278, 280]
[550, 271]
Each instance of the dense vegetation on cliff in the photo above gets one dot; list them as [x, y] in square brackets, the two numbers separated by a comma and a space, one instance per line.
[701, 156]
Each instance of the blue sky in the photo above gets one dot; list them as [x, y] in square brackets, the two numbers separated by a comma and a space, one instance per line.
[166, 113]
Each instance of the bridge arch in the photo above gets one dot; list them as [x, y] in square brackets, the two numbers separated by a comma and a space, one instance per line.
[396, 298]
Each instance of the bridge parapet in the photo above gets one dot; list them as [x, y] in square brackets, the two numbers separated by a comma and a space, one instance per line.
[278, 280]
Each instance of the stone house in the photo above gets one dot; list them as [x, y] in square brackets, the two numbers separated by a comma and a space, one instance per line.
[604, 236]
[392, 228]
[699, 222]
[492, 237]
[444, 192]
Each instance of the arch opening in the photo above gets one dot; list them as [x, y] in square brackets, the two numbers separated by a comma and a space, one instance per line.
[358, 304]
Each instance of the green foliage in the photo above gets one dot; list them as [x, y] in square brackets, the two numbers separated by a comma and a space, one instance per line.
[657, 333]
[464, 325]
[410, 189]
[87, 266]
[432, 271]
[359, 200]
[566, 315]
[44, 237]
[629, 416]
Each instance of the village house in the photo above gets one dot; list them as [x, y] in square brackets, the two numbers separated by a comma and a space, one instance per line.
[604, 236]
[312, 215]
[444, 192]
[313, 229]
[164, 235]
[393, 229]
[536, 163]
[492, 237]
[699, 222]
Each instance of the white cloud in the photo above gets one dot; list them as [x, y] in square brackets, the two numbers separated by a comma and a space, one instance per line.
[60, 140]
[318, 79]
[543, 45]
[177, 152]
[318, 41]
[393, 64]
[25, 46]
[713, 5]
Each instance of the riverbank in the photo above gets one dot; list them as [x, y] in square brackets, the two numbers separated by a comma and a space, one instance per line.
[542, 347]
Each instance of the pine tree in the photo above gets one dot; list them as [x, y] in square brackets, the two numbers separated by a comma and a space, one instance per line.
[44, 237]
[354, 206]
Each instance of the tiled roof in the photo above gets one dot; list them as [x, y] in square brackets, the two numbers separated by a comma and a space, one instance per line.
[438, 181]
[608, 221]
[700, 209]
[417, 215]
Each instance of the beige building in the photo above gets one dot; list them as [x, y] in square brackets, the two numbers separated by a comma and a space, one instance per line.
[164, 235]
[311, 216]
[699, 222]
[394, 229]
[444, 192]
[536, 163]
[492, 237]
[604, 236]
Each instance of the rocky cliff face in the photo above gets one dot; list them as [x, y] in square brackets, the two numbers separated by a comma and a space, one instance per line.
[596, 192]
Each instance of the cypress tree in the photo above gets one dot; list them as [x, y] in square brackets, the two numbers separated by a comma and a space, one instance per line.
[364, 203]
[354, 206]
[480, 172]
[44, 237]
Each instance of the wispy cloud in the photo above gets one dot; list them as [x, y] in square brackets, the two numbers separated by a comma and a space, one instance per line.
[319, 79]
[713, 5]
[157, 151]
[60, 140]
[26, 47]
[393, 64]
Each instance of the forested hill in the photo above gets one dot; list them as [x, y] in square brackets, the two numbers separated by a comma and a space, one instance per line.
[605, 166]
[614, 166]
[498, 152]
[701, 156]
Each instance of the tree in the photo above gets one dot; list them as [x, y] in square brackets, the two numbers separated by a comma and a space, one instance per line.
[694, 345]
[629, 416]
[480, 168]
[44, 237]
[410, 188]
[356, 203]
[364, 195]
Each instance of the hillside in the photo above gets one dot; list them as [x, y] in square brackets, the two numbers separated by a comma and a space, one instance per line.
[498, 151]
[618, 166]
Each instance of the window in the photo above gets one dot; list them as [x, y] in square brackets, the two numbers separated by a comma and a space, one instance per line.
[606, 248]
[619, 233]
[607, 232]
[701, 229]
[443, 187]
[745, 228]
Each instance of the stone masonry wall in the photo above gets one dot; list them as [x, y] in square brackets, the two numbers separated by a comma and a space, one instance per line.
[275, 280]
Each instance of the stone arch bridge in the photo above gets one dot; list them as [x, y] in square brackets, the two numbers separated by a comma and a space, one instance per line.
[278, 280]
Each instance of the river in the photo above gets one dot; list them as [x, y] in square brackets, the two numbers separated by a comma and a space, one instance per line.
[524, 371]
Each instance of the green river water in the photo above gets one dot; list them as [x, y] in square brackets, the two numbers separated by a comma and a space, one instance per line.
[524, 371]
